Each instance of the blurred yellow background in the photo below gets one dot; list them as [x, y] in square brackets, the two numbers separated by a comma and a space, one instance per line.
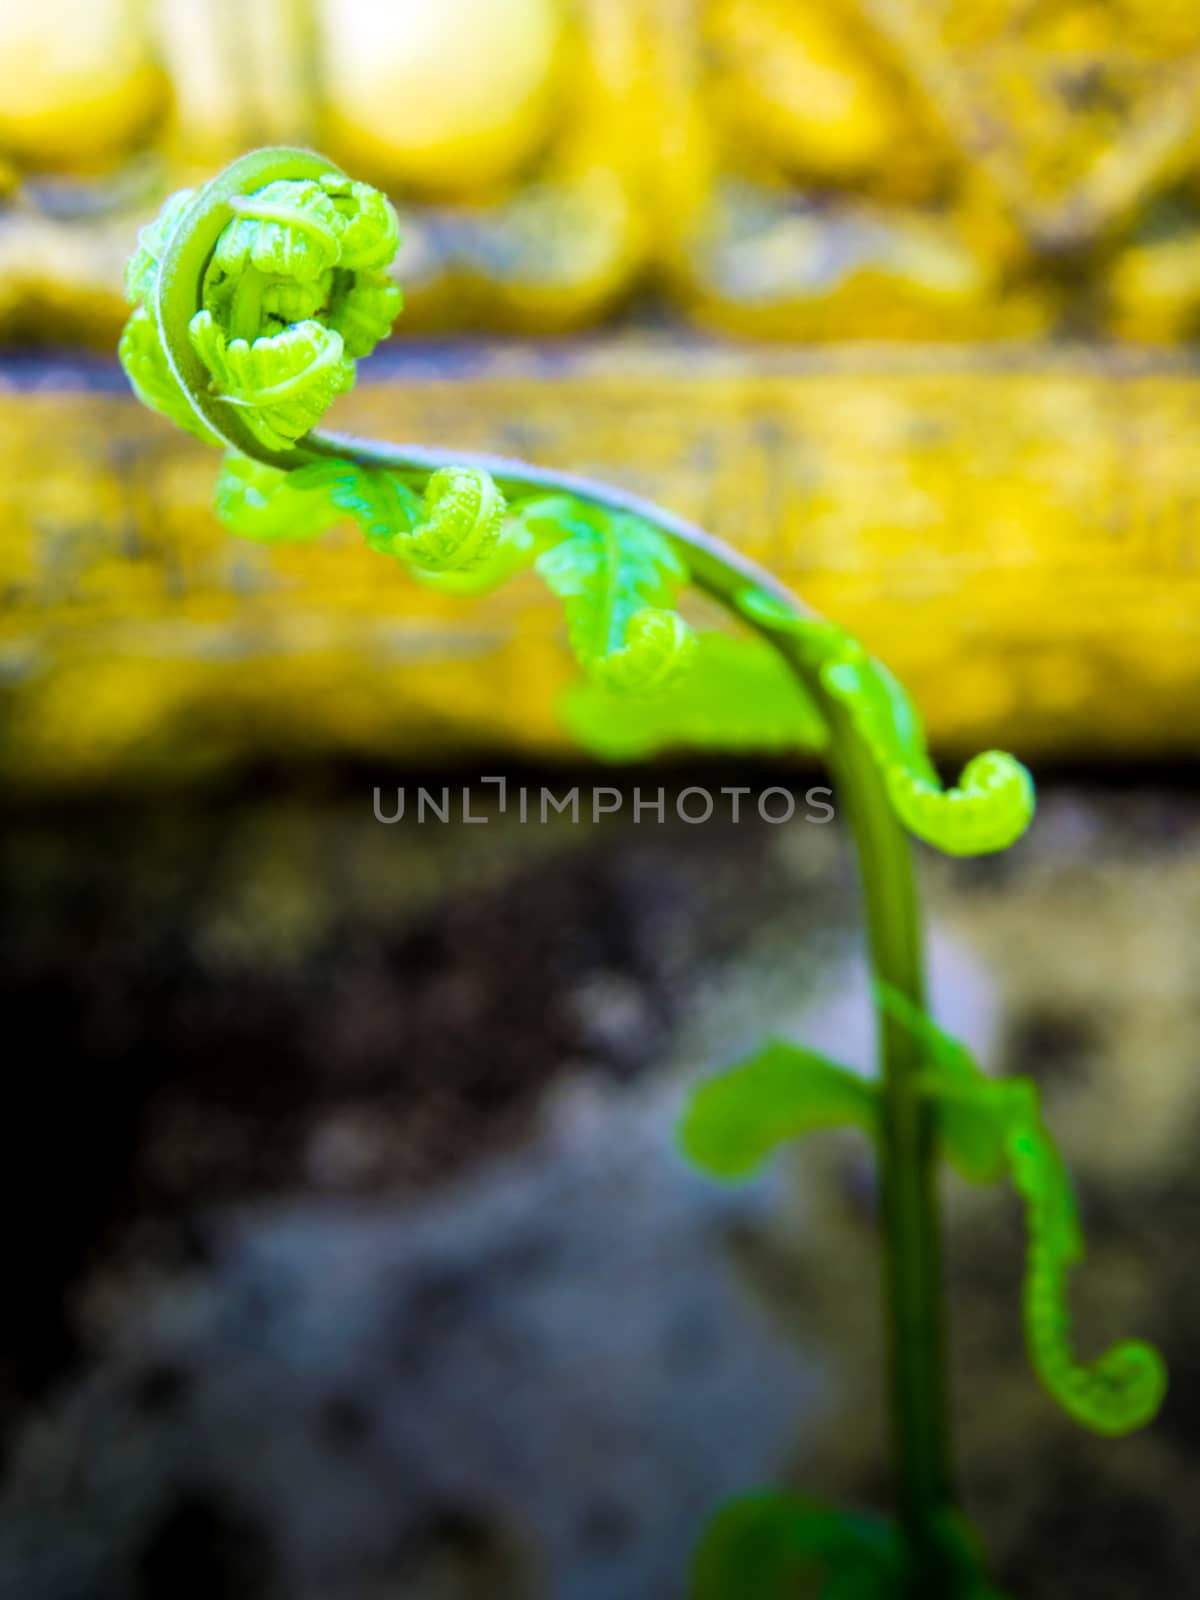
[897, 294]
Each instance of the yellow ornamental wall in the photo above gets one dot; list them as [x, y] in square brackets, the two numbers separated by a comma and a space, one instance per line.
[814, 169]
[138, 637]
[932, 242]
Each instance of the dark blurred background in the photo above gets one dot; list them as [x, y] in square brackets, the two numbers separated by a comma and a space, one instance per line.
[349, 1256]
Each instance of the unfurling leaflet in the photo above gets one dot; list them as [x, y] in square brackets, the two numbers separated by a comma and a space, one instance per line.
[993, 802]
[253, 298]
[463, 514]
[283, 382]
[270, 506]
[738, 695]
[617, 578]
[986, 1127]
[1124, 1387]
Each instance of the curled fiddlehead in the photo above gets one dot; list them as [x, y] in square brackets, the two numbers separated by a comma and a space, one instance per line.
[252, 299]
[454, 527]
[463, 514]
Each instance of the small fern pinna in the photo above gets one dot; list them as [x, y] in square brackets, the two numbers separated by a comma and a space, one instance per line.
[253, 297]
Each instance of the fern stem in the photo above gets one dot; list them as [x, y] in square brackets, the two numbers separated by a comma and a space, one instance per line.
[912, 1283]
[912, 1275]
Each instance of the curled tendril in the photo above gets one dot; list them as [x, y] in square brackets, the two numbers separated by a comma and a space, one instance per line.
[252, 299]
[993, 802]
[1123, 1388]
[978, 1117]
[284, 382]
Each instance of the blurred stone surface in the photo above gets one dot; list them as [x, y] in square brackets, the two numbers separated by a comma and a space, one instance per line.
[541, 1375]
[350, 1256]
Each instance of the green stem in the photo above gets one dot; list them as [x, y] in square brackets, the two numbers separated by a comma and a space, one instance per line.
[912, 1279]
[908, 1166]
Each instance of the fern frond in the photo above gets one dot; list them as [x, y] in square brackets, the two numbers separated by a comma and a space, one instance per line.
[370, 229]
[362, 307]
[142, 268]
[287, 229]
[1123, 1388]
[277, 246]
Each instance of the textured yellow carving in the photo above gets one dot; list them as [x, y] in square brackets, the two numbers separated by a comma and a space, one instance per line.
[78, 82]
[1020, 544]
[447, 97]
[813, 169]
[798, 85]
[1073, 111]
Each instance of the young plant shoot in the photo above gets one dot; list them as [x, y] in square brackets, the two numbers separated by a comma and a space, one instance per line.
[253, 298]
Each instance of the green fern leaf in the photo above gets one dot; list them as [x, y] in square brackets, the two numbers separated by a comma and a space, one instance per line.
[141, 271]
[259, 502]
[462, 515]
[734, 1121]
[384, 507]
[737, 695]
[979, 1117]
[615, 577]
[993, 802]
[514, 550]
[362, 307]
[765, 1546]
